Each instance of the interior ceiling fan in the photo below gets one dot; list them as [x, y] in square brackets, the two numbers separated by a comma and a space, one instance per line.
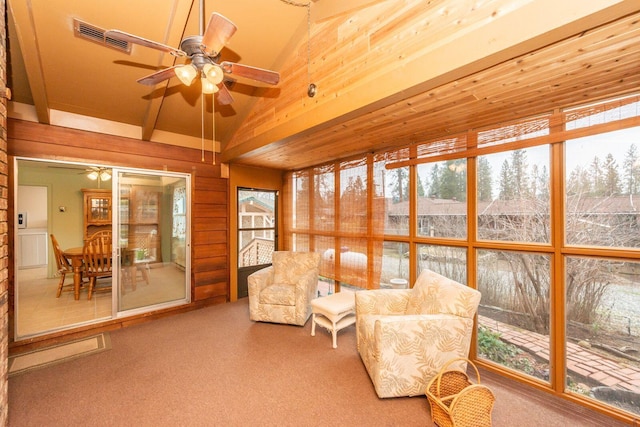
[204, 53]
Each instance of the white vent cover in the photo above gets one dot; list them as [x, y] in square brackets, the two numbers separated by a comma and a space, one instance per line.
[96, 34]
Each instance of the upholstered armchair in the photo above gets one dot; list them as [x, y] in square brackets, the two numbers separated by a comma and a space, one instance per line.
[282, 292]
[405, 336]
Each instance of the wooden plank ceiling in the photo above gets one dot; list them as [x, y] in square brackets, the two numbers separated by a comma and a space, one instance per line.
[398, 73]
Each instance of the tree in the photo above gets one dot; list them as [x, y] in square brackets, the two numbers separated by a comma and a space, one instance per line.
[541, 183]
[611, 176]
[399, 184]
[434, 184]
[519, 174]
[506, 178]
[631, 171]
[484, 184]
[578, 182]
[453, 182]
[596, 178]
[420, 187]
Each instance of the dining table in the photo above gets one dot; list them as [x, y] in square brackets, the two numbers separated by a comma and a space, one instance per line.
[75, 255]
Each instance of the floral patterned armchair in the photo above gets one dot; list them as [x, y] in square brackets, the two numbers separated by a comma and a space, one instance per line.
[405, 336]
[282, 293]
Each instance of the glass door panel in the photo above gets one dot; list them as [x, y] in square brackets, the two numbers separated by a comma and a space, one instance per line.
[257, 231]
[153, 240]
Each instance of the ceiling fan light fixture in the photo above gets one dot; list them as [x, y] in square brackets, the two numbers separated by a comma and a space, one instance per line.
[105, 176]
[93, 175]
[213, 73]
[186, 74]
[207, 86]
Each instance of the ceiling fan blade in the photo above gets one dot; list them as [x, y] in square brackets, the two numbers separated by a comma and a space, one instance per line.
[131, 38]
[159, 76]
[219, 31]
[224, 96]
[254, 73]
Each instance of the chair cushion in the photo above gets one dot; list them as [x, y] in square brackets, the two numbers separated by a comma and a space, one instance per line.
[433, 294]
[278, 294]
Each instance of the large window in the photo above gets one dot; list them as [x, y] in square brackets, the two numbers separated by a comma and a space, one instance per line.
[541, 215]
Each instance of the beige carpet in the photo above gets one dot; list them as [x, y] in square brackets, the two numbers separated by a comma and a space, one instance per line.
[60, 353]
[214, 367]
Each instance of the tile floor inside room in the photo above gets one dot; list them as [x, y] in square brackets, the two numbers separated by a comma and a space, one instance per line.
[38, 310]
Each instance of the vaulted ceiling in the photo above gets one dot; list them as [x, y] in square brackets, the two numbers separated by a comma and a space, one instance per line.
[388, 72]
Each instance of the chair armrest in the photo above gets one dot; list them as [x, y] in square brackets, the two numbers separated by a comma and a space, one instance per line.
[382, 301]
[421, 332]
[422, 321]
[259, 280]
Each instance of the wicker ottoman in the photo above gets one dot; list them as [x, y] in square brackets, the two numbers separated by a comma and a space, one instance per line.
[334, 312]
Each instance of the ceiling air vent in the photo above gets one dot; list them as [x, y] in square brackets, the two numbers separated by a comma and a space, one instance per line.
[96, 34]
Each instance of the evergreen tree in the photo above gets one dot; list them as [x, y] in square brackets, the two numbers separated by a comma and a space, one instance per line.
[420, 187]
[400, 184]
[434, 184]
[611, 176]
[544, 182]
[484, 184]
[596, 177]
[519, 175]
[579, 182]
[449, 185]
[506, 178]
[631, 171]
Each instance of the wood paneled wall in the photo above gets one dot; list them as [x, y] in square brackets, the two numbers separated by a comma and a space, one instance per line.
[210, 213]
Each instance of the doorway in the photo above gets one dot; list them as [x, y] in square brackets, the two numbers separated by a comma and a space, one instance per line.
[257, 232]
[148, 211]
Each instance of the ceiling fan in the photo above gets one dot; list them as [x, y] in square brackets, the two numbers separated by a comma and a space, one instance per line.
[204, 52]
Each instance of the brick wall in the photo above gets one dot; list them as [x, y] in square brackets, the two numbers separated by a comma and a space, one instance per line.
[4, 192]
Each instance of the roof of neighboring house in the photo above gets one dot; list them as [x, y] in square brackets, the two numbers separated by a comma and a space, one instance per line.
[429, 206]
[257, 203]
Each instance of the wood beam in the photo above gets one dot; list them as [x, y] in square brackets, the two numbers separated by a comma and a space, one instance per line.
[21, 14]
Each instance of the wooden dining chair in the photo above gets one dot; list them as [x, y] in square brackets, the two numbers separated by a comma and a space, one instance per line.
[96, 255]
[63, 264]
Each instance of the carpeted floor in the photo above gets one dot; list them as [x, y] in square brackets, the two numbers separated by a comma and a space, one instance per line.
[214, 367]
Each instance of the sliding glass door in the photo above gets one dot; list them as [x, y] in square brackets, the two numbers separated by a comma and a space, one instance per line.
[59, 206]
[152, 232]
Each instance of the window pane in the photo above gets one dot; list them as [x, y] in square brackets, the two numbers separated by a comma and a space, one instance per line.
[300, 242]
[603, 330]
[513, 195]
[353, 197]
[353, 263]
[395, 265]
[256, 209]
[324, 208]
[396, 193]
[603, 189]
[442, 199]
[448, 261]
[326, 247]
[300, 202]
[513, 319]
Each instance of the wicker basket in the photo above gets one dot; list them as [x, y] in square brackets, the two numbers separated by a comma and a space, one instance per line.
[456, 402]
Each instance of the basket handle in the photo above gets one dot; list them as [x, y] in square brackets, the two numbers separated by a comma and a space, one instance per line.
[449, 362]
